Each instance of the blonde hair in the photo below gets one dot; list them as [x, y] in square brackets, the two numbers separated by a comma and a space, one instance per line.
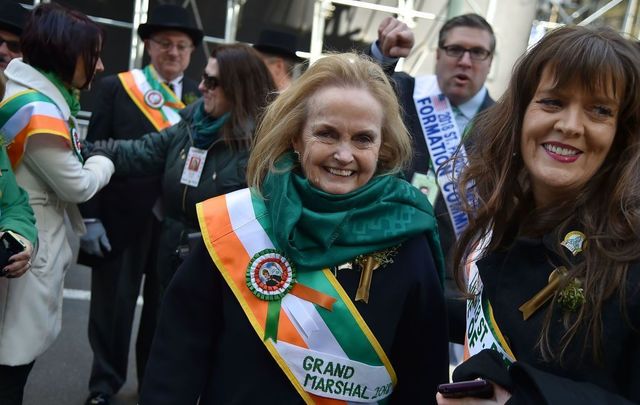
[284, 119]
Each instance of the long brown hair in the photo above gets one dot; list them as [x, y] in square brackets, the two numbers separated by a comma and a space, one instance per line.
[247, 84]
[607, 208]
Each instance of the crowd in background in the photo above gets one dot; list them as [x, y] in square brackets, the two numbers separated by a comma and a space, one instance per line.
[341, 235]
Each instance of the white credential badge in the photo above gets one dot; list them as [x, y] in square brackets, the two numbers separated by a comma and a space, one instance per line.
[193, 166]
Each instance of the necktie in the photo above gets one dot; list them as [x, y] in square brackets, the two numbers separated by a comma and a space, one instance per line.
[461, 120]
[170, 86]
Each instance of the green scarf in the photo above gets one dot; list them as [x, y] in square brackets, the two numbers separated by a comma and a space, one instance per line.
[71, 95]
[316, 229]
[205, 126]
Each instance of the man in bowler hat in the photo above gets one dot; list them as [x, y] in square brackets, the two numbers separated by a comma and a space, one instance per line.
[12, 19]
[278, 51]
[122, 222]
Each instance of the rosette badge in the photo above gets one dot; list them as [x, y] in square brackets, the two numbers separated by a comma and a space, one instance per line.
[270, 276]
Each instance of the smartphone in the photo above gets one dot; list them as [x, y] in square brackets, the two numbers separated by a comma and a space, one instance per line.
[9, 246]
[473, 388]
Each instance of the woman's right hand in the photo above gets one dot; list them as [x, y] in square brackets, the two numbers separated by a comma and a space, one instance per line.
[20, 262]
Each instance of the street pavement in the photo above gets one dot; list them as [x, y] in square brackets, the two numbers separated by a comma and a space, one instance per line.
[61, 375]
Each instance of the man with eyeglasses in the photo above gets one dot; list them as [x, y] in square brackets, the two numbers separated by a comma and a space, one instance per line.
[122, 220]
[12, 19]
[438, 108]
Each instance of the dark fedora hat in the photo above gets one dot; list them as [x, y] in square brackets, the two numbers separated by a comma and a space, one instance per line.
[170, 17]
[12, 17]
[278, 43]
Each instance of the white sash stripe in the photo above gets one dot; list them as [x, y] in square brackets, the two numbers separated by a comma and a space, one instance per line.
[442, 137]
[143, 85]
[303, 314]
[373, 381]
[21, 118]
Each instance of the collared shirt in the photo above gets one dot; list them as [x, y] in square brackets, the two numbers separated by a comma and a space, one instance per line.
[468, 110]
[175, 83]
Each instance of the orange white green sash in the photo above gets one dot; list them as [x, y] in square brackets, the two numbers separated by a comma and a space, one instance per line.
[30, 112]
[320, 341]
[482, 331]
[154, 99]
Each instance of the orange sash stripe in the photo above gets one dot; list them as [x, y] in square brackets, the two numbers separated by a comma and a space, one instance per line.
[231, 253]
[38, 124]
[154, 116]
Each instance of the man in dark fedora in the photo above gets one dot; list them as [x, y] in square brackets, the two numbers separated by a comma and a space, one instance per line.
[122, 221]
[12, 19]
[278, 51]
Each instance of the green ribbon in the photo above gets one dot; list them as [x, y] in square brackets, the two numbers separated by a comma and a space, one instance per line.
[273, 317]
[316, 230]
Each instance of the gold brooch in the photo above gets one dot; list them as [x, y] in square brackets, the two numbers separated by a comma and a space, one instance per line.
[570, 298]
[368, 263]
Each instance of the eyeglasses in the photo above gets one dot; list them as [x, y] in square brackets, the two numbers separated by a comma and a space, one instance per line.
[13, 46]
[182, 47]
[210, 82]
[456, 51]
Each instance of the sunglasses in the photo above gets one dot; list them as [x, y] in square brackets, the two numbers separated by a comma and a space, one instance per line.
[210, 82]
[13, 46]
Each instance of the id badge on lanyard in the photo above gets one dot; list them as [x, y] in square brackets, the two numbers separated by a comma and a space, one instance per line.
[193, 166]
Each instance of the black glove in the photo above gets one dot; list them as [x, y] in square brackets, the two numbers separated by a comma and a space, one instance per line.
[85, 149]
[105, 147]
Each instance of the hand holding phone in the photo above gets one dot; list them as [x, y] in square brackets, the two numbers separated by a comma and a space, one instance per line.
[473, 388]
[15, 255]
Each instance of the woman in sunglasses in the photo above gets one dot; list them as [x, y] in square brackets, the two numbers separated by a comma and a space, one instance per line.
[204, 155]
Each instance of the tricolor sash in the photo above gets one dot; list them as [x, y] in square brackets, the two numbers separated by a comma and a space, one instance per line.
[482, 331]
[154, 99]
[442, 137]
[306, 320]
[30, 112]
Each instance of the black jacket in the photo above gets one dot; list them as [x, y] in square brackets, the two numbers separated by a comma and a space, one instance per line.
[511, 278]
[205, 346]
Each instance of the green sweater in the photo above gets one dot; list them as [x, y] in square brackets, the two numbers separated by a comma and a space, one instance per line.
[15, 212]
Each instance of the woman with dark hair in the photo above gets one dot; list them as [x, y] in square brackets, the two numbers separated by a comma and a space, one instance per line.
[206, 153]
[61, 54]
[550, 260]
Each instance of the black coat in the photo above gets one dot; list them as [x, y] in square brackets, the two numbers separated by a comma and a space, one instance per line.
[125, 203]
[514, 276]
[205, 346]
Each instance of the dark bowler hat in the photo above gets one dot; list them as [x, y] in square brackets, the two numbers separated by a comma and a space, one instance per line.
[278, 43]
[170, 17]
[12, 17]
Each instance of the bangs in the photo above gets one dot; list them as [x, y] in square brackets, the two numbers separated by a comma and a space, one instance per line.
[591, 64]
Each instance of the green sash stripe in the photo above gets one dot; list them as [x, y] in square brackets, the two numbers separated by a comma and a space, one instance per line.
[345, 328]
[14, 104]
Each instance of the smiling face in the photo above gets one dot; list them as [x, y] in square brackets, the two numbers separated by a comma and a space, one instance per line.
[461, 78]
[215, 101]
[566, 136]
[341, 139]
